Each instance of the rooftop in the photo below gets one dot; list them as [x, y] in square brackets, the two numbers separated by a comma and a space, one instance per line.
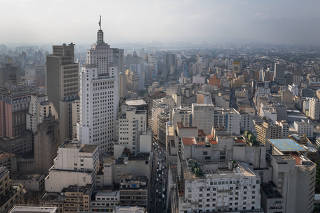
[286, 145]
[137, 102]
[33, 209]
[88, 148]
[194, 169]
[77, 145]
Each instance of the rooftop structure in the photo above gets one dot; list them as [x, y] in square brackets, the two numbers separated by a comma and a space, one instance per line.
[286, 145]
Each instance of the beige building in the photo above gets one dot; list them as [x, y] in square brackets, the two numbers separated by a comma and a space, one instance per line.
[314, 109]
[271, 130]
[77, 199]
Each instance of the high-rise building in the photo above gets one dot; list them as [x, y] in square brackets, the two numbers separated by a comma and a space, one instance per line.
[278, 75]
[123, 85]
[132, 123]
[271, 130]
[14, 105]
[314, 109]
[99, 101]
[293, 174]
[63, 85]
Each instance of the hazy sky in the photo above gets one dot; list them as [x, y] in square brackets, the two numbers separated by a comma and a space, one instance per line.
[130, 21]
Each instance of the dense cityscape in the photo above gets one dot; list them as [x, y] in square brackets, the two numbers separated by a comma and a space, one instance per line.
[229, 128]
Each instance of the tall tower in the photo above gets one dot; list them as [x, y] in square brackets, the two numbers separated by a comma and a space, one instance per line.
[63, 85]
[99, 95]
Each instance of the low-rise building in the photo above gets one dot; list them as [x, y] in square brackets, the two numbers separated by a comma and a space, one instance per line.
[134, 191]
[75, 164]
[104, 201]
[207, 188]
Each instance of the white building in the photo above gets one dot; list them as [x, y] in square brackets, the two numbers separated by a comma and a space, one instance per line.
[304, 127]
[129, 209]
[314, 109]
[268, 111]
[132, 123]
[99, 94]
[97, 105]
[39, 108]
[220, 190]
[75, 164]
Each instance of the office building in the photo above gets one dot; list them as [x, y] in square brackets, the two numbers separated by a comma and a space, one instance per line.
[97, 109]
[99, 103]
[271, 130]
[63, 85]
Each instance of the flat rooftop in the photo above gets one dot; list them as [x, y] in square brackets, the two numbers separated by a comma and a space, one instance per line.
[286, 145]
[137, 102]
[32, 209]
[88, 148]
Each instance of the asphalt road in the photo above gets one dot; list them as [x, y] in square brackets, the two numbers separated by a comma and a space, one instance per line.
[158, 182]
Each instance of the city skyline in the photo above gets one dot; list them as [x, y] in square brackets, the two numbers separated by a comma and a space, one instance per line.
[189, 21]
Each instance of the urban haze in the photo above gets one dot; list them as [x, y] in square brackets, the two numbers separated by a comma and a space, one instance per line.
[149, 106]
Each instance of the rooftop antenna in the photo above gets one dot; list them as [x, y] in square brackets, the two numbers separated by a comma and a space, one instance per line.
[100, 22]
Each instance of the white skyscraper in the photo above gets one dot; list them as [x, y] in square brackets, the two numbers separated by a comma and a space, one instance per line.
[99, 95]
[97, 105]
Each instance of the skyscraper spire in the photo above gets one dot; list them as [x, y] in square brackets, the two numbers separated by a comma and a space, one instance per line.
[100, 34]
